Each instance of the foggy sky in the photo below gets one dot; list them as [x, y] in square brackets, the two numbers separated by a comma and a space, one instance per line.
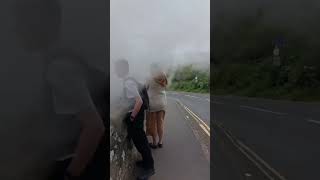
[145, 31]
[299, 16]
[165, 32]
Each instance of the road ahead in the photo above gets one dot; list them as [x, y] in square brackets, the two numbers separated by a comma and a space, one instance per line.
[198, 103]
[185, 152]
[227, 161]
[283, 134]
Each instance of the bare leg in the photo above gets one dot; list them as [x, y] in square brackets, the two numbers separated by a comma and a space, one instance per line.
[148, 130]
[160, 120]
[153, 116]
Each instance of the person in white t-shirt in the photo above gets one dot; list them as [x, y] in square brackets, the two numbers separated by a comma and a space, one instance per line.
[72, 103]
[135, 118]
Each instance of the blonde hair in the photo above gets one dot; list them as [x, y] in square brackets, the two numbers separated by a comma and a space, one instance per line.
[161, 78]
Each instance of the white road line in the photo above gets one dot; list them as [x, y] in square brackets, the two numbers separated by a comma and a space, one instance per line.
[249, 157]
[313, 121]
[262, 161]
[205, 130]
[191, 96]
[216, 102]
[263, 110]
[197, 118]
[199, 98]
[246, 150]
[256, 164]
[203, 147]
[196, 98]
[201, 123]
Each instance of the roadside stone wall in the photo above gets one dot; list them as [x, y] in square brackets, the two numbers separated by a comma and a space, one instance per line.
[122, 153]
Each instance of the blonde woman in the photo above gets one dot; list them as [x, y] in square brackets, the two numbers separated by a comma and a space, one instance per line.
[158, 102]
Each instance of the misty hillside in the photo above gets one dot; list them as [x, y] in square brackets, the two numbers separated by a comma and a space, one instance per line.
[244, 37]
[240, 26]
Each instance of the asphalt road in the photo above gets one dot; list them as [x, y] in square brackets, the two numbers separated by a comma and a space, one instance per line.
[198, 103]
[227, 162]
[284, 134]
[182, 155]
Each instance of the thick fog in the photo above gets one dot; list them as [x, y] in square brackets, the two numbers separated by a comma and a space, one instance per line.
[167, 32]
[299, 16]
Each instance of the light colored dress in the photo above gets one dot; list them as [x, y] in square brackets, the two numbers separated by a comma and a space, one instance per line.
[157, 96]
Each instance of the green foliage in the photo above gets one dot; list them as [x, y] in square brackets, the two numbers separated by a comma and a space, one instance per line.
[243, 51]
[184, 79]
[295, 81]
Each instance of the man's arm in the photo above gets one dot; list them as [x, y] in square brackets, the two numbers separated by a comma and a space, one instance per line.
[92, 130]
[133, 92]
[72, 97]
[137, 107]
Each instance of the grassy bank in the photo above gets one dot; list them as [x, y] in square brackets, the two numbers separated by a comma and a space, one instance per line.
[291, 82]
[190, 79]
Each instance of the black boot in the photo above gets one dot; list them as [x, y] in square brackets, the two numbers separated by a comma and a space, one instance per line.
[141, 164]
[146, 174]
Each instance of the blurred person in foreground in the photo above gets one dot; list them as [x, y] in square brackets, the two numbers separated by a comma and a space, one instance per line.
[135, 117]
[76, 91]
[158, 102]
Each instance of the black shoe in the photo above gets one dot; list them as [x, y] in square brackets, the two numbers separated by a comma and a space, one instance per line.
[140, 164]
[159, 145]
[146, 174]
[61, 165]
[153, 146]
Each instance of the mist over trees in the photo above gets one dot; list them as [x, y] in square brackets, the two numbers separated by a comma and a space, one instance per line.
[245, 35]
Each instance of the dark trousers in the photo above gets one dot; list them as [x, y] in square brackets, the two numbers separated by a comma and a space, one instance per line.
[97, 169]
[139, 138]
[98, 166]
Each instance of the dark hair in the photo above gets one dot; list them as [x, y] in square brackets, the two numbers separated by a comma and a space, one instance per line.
[122, 62]
[122, 67]
[37, 23]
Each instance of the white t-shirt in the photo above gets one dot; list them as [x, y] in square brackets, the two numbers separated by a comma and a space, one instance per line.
[131, 92]
[131, 89]
[68, 81]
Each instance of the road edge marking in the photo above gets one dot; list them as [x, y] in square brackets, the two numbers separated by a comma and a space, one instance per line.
[197, 117]
[201, 123]
[262, 110]
[243, 148]
[261, 160]
[313, 121]
[196, 132]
